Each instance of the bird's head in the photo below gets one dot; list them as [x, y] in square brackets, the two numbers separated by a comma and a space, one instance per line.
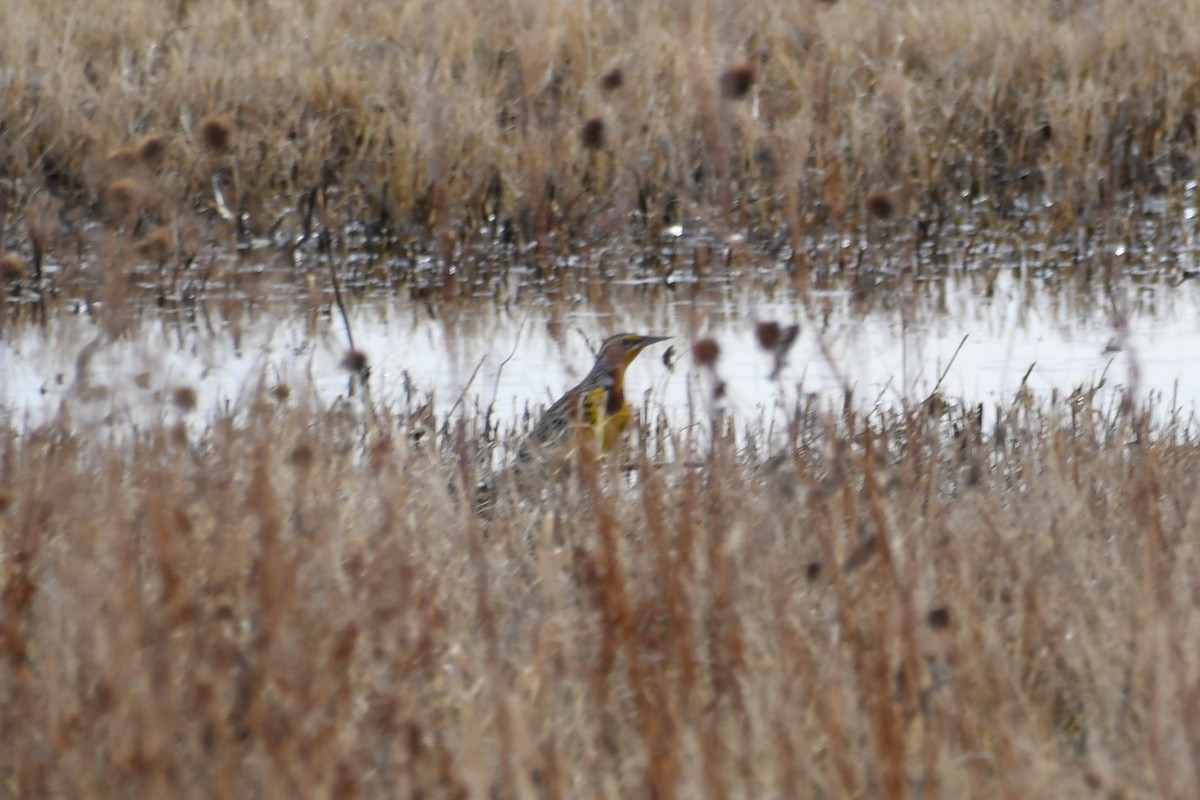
[619, 351]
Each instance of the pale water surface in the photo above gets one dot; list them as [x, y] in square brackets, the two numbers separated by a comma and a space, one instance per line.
[482, 357]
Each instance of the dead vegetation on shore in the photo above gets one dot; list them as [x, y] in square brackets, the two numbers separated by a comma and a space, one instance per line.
[894, 605]
[564, 124]
[295, 601]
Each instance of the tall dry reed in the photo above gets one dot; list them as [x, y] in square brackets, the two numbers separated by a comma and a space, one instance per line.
[289, 603]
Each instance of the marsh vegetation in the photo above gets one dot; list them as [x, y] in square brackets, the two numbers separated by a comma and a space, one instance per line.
[297, 592]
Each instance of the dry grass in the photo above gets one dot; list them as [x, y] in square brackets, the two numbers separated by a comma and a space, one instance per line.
[444, 123]
[293, 605]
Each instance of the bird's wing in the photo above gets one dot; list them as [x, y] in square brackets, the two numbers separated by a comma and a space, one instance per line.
[571, 408]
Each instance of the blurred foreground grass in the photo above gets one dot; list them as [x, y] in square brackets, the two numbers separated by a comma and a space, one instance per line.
[291, 604]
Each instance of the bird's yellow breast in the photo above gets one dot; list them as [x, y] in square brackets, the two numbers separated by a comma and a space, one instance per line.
[614, 426]
[605, 424]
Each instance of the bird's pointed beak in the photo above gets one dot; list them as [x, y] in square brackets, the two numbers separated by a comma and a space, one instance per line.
[646, 341]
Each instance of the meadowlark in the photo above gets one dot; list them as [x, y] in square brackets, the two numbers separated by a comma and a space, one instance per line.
[595, 407]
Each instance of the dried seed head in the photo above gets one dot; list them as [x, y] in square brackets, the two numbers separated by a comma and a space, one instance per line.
[813, 570]
[5, 499]
[354, 565]
[156, 245]
[881, 205]
[767, 334]
[737, 81]
[939, 618]
[706, 352]
[592, 134]
[184, 397]
[183, 523]
[216, 133]
[777, 340]
[612, 80]
[764, 158]
[123, 157]
[151, 149]
[124, 197]
[302, 456]
[381, 450]
[355, 361]
[344, 645]
[12, 267]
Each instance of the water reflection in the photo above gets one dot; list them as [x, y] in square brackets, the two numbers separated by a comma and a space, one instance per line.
[978, 335]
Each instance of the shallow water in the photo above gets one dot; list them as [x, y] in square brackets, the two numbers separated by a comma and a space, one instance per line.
[978, 335]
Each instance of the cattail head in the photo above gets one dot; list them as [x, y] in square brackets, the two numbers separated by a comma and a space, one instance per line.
[705, 352]
[179, 435]
[151, 149]
[12, 267]
[939, 618]
[767, 334]
[184, 398]
[612, 80]
[301, 456]
[216, 133]
[737, 81]
[122, 157]
[156, 245]
[777, 340]
[381, 451]
[765, 159]
[881, 205]
[592, 135]
[125, 197]
[355, 361]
